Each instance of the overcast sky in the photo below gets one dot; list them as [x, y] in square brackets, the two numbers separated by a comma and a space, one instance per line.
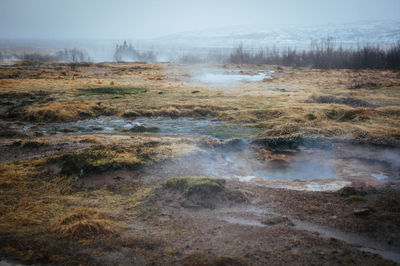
[138, 19]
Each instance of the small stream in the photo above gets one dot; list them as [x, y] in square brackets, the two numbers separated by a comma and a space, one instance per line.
[159, 126]
[361, 242]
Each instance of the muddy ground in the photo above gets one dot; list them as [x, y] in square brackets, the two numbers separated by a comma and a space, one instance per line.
[238, 181]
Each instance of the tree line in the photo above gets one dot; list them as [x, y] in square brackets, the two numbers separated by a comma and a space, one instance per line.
[323, 55]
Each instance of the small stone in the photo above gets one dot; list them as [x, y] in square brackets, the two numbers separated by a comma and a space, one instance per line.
[361, 212]
[277, 220]
[295, 252]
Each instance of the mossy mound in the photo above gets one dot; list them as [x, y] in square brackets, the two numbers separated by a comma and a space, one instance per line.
[142, 129]
[350, 101]
[204, 192]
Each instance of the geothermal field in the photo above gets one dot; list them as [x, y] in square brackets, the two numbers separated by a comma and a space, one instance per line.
[198, 164]
[194, 133]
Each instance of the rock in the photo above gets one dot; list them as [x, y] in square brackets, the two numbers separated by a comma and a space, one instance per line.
[349, 191]
[68, 130]
[295, 252]
[141, 128]
[277, 220]
[96, 128]
[361, 212]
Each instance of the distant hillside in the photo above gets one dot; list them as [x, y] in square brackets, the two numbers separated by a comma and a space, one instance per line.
[350, 34]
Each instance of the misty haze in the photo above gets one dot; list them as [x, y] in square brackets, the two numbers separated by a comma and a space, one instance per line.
[199, 132]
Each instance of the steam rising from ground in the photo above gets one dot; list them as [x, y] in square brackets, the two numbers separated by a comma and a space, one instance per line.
[240, 160]
[221, 75]
[307, 168]
[230, 77]
[312, 170]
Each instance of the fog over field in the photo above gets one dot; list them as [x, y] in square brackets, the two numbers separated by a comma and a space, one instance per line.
[174, 29]
[123, 19]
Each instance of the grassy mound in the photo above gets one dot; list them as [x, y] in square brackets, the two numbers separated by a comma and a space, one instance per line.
[23, 98]
[356, 114]
[58, 112]
[30, 144]
[83, 224]
[94, 161]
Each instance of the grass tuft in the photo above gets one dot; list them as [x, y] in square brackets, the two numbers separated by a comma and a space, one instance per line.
[353, 198]
[350, 101]
[83, 224]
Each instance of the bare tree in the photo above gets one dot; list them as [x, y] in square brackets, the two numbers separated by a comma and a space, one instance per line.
[126, 52]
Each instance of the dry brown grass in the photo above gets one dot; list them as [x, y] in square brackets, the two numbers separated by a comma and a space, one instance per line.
[83, 224]
[57, 112]
[38, 209]
[41, 211]
[324, 104]
[287, 99]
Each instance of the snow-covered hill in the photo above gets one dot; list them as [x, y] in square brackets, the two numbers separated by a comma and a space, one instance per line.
[360, 33]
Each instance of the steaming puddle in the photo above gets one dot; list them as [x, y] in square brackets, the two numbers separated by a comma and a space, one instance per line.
[228, 78]
[159, 126]
[380, 176]
[298, 175]
[297, 170]
[315, 185]
[7, 262]
[8, 62]
[255, 216]
[243, 166]
[297, 183]
[308, 170]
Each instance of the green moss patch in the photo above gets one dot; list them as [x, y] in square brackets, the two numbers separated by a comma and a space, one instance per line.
[113, 90]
